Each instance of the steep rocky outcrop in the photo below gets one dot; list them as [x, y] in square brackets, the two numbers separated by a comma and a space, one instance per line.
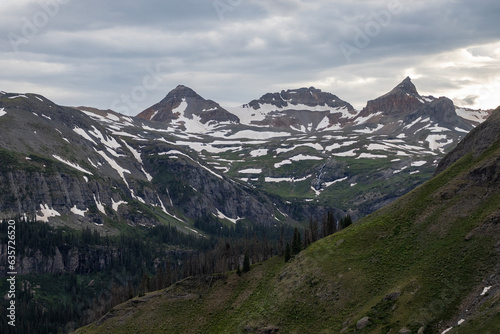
[441, 112]
[64, 260]
[402, 100]
[195, 192]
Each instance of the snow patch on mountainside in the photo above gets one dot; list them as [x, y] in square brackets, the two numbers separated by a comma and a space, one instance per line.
[362, 120]
[16, 96]
[84, 134]
[115, 205]
[370, 130]
[339, 145]
[250, 171]
[137, 156]
[110, 142]
[120, 170]
[78, 212]
[299, 157]
[46, 213]
[100, 205]
[328, 184]
[438, 142]
[350, 153]
[259, 152]
[71, 164]
[244, 134]
[200, 147]
[175, 152]
[472, 115]
[191, 124]
[418, 163]
[220, 215]
[371, 156]
[280, 179]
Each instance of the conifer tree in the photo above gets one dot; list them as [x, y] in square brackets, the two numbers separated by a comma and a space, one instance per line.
[297, 242]
[345, 222]
[288, 252]
[330, 224]
[246, 263]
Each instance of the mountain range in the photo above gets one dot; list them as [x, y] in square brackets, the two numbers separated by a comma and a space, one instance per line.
[283, 158]
[109, 206]
[310, 110]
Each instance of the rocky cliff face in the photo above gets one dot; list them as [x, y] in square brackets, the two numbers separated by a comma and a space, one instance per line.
[64, 260]
[195, 191]
[442, 111]
[66, 198]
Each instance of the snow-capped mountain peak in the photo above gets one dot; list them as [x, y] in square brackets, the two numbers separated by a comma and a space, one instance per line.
[183, 107]
[305, 110]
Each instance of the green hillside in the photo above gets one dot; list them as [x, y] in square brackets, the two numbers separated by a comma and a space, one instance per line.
[419, 265]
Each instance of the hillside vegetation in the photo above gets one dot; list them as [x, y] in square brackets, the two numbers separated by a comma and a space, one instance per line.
[419, 265]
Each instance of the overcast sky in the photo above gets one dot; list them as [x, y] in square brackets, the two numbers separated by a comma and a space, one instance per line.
[128, 54]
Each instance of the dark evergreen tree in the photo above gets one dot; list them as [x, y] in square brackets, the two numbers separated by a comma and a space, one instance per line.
[345, 222]
[288, 252]
[297, 242]
[313, 230]
[330, 224]
[246, 263]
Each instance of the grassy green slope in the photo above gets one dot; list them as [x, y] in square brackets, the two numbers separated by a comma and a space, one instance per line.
[416, 263]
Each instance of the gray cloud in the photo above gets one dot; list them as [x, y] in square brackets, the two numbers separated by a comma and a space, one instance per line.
[92, 52]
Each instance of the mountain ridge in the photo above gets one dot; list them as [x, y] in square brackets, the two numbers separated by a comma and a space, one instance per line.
[309, 110]
[309, 167]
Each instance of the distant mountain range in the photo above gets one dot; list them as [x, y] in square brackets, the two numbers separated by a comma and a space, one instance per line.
[310, 110]
[283, 158]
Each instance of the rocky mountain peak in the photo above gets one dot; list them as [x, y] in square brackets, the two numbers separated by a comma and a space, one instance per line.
[180, 92]
[183, 104]
[400, 101]
[291, 98]
[406, 86]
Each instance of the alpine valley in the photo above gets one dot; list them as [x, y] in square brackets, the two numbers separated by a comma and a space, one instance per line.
[112, 206]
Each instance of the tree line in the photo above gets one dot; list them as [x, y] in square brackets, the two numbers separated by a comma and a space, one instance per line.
[113, 269]
[313, 232]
